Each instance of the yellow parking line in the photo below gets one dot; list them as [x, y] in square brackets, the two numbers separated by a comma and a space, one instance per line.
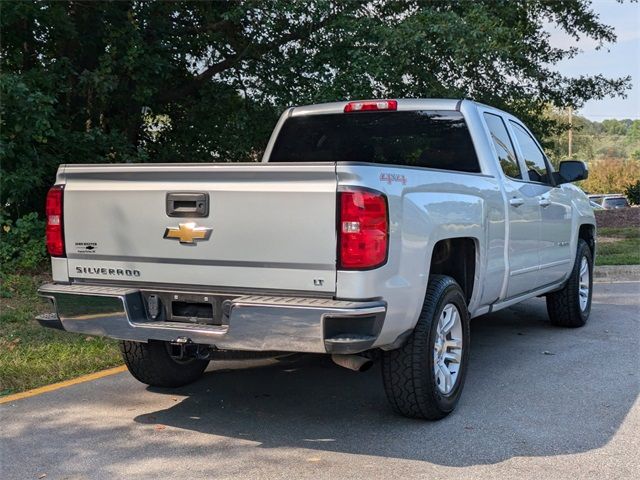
[66, 383]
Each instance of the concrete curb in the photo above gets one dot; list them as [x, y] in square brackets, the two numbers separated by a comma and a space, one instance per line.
[617, 273]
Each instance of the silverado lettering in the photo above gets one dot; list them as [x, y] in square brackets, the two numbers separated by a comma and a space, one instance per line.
[108, 271]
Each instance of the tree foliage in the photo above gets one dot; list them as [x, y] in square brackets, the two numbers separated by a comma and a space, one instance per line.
[609, 139]
[22, 248]
[611, 149]
[121, 81]
[633, 193]
[611, 175]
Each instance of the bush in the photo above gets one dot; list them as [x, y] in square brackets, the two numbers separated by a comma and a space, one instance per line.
[633, 193]
[22, 246]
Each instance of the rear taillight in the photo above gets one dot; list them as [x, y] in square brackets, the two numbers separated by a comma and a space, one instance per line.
[363, 230]
[371, 106]
[53, 211]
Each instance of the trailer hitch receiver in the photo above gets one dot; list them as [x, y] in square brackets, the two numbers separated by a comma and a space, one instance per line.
[183, 348]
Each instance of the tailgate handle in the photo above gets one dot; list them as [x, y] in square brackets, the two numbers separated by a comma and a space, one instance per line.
[187, 204]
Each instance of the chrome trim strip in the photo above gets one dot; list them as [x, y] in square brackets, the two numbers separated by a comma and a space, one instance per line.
[539, 267]
[196, 261]
[555, 264]
[524, 270]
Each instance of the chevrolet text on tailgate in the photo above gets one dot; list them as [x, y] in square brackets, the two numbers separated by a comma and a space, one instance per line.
[371, 230]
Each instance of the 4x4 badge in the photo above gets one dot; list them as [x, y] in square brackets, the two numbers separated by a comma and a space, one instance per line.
[188, 233]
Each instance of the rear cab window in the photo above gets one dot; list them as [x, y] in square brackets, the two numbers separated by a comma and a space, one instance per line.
[436, 139]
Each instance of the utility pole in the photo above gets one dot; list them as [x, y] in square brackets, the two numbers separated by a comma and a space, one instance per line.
[570, 131]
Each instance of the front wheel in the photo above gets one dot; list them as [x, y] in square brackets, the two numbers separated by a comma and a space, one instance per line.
[570, 307]
[152, 364]
[424, 378]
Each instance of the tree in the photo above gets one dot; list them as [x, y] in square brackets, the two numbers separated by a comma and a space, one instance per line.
[633, 133]
[614, 127]
[87, 81]
[593, 140]
[611, 175]
[633, 193]
[584, 142]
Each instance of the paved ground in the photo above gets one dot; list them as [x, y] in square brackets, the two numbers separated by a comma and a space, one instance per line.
[540, 402]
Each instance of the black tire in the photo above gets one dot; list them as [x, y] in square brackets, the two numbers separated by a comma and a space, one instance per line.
[563, 306]
[408, 373]
[151, 363]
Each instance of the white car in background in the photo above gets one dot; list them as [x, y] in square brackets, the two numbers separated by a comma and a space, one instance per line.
[615, 202]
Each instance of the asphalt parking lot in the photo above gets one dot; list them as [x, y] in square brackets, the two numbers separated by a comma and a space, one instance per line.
[540, 402]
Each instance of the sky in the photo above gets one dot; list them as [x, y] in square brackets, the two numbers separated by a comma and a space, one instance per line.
[612, 60]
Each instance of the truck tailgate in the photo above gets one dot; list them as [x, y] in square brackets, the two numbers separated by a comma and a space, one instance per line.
[268, 226]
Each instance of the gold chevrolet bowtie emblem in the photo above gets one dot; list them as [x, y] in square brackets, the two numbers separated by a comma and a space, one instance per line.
[188, 233]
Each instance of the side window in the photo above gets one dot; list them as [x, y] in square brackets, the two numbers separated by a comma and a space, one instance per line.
[504, 147]
[533, 157]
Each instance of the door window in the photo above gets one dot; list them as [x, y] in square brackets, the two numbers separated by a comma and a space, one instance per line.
[533, 157]
[504, 147]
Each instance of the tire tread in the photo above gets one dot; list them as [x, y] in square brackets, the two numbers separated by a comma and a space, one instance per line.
[403, 369]
[151, 364]
[563, 306]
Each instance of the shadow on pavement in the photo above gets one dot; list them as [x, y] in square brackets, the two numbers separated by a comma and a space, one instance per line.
[532, 390]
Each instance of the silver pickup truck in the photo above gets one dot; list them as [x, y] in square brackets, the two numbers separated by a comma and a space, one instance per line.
[372, 230]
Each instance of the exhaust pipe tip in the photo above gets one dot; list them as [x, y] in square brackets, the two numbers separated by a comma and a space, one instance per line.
[357, 363]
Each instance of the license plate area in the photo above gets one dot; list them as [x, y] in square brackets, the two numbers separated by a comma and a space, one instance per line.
[192, 311]
[195, 308]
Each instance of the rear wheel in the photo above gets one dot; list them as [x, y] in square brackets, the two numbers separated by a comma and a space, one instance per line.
[570, 307]
[424, 378]
[151, 363]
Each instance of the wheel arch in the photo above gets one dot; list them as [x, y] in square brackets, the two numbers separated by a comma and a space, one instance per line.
[587, 232]
[457, 257]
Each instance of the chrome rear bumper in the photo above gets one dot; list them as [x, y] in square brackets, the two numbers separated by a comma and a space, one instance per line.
[258, 323]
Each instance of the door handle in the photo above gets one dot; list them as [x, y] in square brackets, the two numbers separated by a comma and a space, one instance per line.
[187, 204]
[516, 201]
[544, 202]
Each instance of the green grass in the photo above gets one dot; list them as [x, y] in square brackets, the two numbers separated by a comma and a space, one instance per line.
[32, 356]
[618, 246]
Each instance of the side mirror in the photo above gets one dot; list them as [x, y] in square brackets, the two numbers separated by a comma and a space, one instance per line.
[571, 171]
